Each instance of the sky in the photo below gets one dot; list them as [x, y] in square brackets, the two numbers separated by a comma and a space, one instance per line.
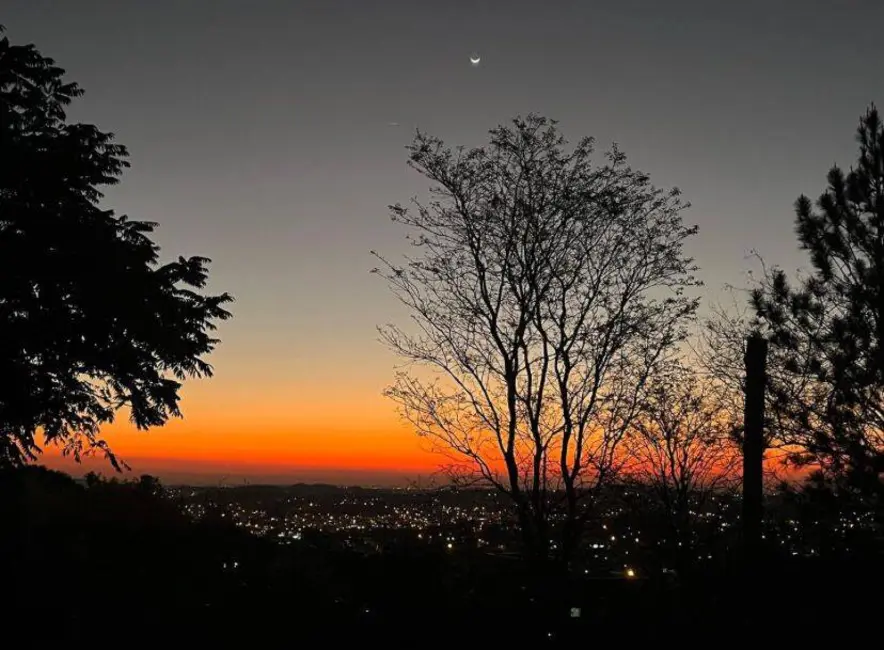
[260, 137]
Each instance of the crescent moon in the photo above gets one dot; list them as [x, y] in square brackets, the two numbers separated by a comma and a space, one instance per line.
[475, 60]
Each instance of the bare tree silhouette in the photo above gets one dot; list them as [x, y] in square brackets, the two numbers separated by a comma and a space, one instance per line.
[546, 290]
[680, 445]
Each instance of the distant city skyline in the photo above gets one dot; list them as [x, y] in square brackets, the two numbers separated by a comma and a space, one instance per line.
[187, 471]
[260, 136]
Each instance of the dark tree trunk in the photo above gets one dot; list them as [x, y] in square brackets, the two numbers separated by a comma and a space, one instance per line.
[753, 449]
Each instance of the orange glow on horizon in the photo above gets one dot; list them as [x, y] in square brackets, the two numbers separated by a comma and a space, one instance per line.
[270, 433]
[231, 429]
[181, 441]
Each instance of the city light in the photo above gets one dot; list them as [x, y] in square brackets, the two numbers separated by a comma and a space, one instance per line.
[366, 521]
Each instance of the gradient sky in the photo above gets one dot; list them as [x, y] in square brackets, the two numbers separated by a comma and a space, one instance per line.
[260, 137]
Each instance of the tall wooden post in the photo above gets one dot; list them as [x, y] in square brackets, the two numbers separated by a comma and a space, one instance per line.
[753, 446]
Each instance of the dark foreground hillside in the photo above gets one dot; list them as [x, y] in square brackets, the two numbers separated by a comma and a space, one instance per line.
[116, 565]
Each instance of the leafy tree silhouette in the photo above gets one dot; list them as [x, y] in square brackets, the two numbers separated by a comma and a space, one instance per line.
[90, 322]
[829, 332]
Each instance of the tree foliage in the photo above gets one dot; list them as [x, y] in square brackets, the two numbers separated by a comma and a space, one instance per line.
[89, 320]
[544, 291]
[828, 327]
